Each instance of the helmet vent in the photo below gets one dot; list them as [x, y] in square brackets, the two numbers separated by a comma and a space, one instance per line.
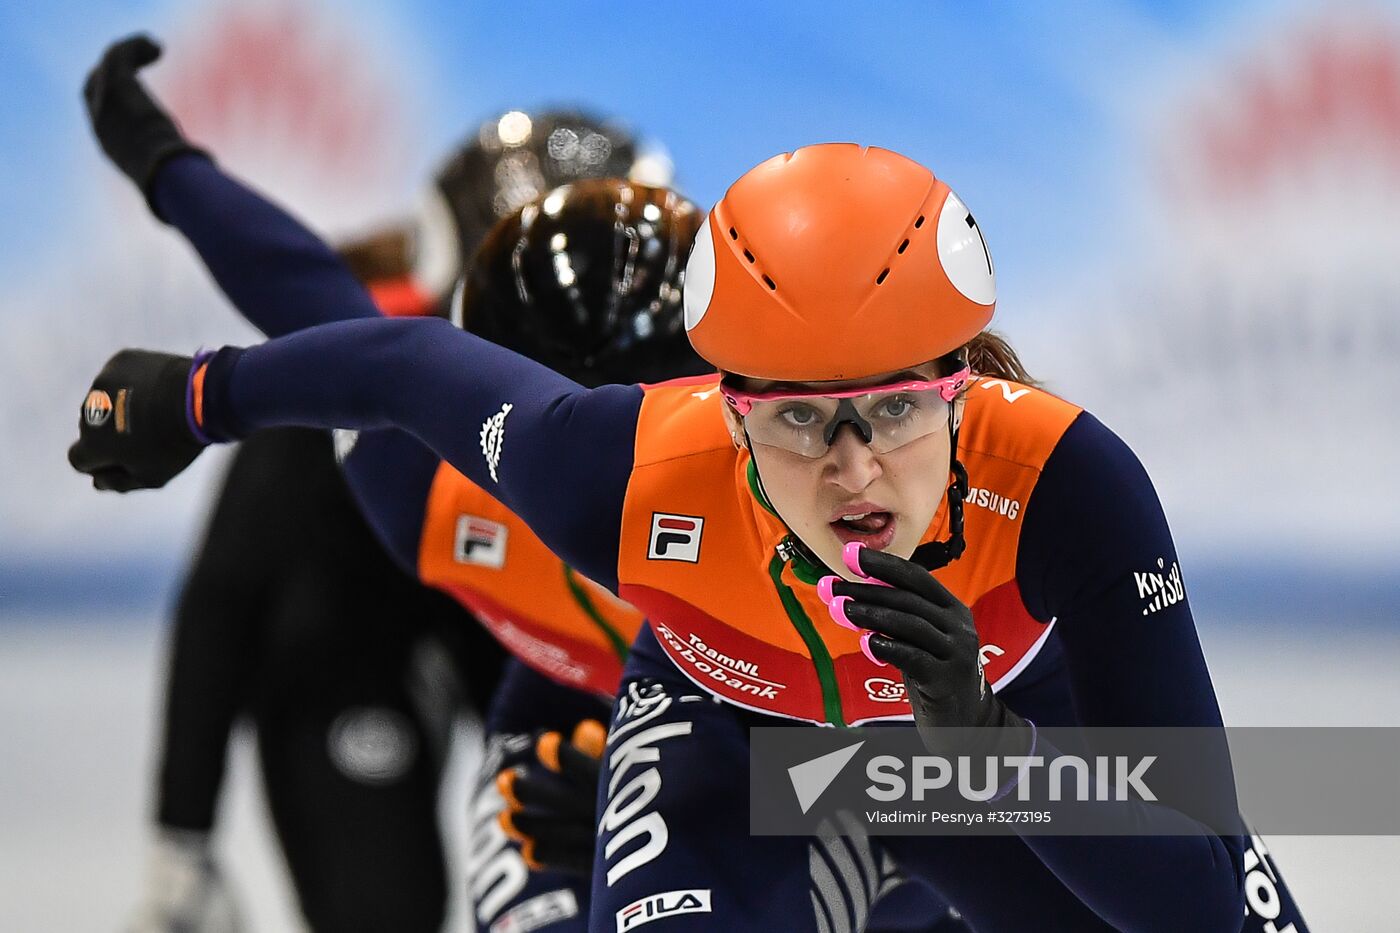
[919, 223]
[753, 261]
[881, 279]
[903, 246]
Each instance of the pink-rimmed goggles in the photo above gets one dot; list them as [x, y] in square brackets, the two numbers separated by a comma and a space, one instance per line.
[886, 416]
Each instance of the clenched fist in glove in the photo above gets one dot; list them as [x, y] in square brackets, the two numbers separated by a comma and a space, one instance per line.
[135, 132]
[910, 620]
[552, 798]
[136, 428]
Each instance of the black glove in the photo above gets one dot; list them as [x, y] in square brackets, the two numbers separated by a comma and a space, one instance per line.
[914, 623]
[552, 798]
[133, 431]
[131, 127]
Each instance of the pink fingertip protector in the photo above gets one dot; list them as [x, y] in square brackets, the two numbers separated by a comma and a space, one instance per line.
[824, 586]
[865, 649]
[837, 608]
[850, 555]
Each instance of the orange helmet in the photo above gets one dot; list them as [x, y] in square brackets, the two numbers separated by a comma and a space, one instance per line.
[836, 262]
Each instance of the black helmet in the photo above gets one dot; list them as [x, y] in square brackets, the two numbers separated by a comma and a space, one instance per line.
[511, 160]
[587, 280]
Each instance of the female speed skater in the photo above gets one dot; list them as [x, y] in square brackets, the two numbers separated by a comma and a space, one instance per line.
[806, 524]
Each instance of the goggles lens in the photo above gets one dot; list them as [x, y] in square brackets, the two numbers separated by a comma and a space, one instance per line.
[885, 417]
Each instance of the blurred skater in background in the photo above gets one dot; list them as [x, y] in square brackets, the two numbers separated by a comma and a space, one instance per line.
[293, 616]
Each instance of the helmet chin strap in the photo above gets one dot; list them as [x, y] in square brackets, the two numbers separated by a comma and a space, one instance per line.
[937, 554]
[930, 556]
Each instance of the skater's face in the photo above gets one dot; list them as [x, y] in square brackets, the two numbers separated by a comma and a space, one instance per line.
[852, 491]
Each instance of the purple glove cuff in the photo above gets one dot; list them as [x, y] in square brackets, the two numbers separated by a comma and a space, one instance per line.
[200, 359]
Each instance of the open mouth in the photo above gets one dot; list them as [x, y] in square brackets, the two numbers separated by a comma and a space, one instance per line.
[874, 529]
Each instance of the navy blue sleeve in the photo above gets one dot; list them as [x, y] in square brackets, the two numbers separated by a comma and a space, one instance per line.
[390, 474]
[1096, 556]
[278, 274]
[283, 278]
[554, 453]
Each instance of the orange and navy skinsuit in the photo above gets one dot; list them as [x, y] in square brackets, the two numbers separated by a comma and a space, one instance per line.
[546, 614]
[756, 634]
[1071, 573]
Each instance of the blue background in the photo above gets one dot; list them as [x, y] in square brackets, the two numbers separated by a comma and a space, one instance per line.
[1055, 123]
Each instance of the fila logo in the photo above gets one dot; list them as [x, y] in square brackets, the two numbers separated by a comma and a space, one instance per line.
[480, 541]
[675, 537]
[665, 904]
[539, 911]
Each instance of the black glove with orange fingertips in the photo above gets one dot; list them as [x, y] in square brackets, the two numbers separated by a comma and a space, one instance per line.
[551, 799]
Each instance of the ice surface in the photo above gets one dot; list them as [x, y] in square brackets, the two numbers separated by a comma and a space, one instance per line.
[78, 709]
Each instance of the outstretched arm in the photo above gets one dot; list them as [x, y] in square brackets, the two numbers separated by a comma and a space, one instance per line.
[555, 453]
[392, 373]
[279, 275]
